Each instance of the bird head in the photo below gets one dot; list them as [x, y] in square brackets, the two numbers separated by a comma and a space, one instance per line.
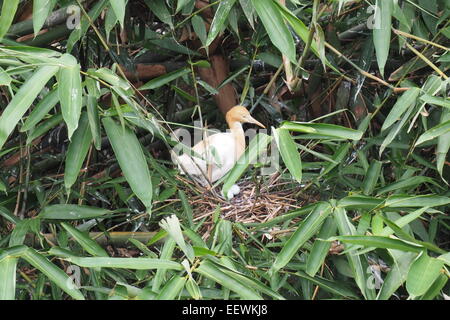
[241, 114]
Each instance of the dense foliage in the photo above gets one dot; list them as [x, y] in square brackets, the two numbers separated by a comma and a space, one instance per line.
[345, 196]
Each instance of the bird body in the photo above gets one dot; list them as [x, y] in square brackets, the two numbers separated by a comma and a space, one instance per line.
[214, 156]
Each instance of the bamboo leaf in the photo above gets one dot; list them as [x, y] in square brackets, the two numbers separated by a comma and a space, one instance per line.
[44, 127]
[407, 183]
[442, 102]
[130, 156]
[122, 263]
[8, 13]
[406, 100]
[119, 7]
[289, 153]
[303, 233]
[434, 132]
[357, 264]
[443, 144]
[77, 151]
[220, 17]
[210, 271]
[69, 91]
[87, 243]
[423, 272]
[164, 79]
[275, 26]
[159, 8]
[322, 130]
[199, 28]
[71, 212]
[379, 242]
[331, 286]
[371, 178]
[55, 274]
[382, 31]
[172, 288]
[320, 248]
[41, 11]
[256, 147]
[23, 99]
[41, 110]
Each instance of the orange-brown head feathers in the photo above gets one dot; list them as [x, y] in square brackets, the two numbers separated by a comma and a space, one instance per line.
[240, 114]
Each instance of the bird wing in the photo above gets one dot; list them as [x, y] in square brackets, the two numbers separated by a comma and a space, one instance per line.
[218, 155]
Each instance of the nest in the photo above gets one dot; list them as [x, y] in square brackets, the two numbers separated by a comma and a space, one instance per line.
[254, 204]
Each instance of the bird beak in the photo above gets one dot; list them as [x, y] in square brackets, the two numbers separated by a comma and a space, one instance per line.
[250, 119]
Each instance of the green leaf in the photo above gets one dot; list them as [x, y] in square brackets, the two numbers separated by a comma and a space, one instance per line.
[172, 288]
[402, 201]
[165, 79]
[5, 78]
[304, 232]
[406, 100]
[122, 263]
[357, 264]
[404, 220]
[23, 99]
[257, 145]
[69, 91]
[445, 257]
[249, 11]
[8, 278]
[209, 270]
[83, 239]
[41, 11]
[199, 28]
[423, 272]
[378, 242]
[434, 132]
[220, 17]
[181, 4]
[371, 178]
[322, 130]
[193, 289]
[55, 274]
[159, 8]
[435, 288]
[94, 121]
[406, 184]
[119, 7]
[275, 26]
[44, 127]
[9, 9]
[289, 153]
[382, 31]
[71, 212]
[320, 248]
[41, 110]
[130, 156]
[443, 144]
[398, 273]
[442, 102]
[331, 286]
[77, 151]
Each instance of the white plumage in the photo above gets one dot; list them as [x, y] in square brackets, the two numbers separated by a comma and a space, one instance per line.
[218, 152]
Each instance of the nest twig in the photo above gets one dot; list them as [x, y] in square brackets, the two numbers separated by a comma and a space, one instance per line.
[252, 205]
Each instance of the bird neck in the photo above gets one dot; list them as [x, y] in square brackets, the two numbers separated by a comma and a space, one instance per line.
[238, 133]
